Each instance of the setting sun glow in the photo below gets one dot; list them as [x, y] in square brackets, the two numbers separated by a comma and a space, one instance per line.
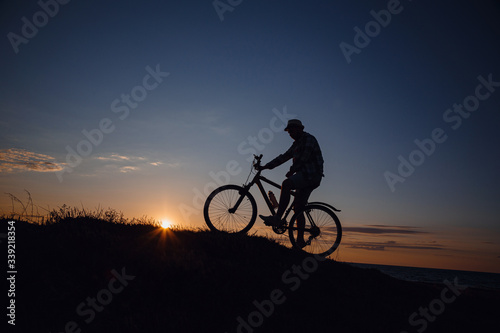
[166, 224]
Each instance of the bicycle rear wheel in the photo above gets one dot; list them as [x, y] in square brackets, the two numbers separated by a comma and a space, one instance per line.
[221, 213]
[322, 229]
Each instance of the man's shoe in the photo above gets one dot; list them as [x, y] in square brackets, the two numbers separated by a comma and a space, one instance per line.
[271, 221]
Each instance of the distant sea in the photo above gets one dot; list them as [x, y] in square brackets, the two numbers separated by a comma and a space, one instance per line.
[431, 275]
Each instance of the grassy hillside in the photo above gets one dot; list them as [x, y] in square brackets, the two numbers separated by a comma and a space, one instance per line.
[84, 274]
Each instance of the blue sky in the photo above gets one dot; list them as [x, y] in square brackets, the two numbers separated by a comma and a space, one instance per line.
[229, 79]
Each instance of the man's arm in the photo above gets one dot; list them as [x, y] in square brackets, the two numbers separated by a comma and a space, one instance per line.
[280, 159]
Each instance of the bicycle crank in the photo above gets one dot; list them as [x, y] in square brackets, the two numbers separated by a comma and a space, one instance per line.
[281, 229]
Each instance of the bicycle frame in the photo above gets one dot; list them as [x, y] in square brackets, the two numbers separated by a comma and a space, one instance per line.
[257, 180]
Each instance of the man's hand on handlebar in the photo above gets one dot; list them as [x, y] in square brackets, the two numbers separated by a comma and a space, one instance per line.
[259, 167]
[256, 163]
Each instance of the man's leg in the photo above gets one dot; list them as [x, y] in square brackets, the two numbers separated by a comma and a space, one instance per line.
[300, 202]
[286, 187]
[275, 220]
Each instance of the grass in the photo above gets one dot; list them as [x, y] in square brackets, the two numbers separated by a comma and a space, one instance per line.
[196, 280]
[29, 212]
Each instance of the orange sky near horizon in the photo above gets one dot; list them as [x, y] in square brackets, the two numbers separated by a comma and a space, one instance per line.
[444, 247]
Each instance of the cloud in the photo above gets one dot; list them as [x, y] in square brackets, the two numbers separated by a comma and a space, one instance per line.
[117, 157]
[384, 229]
[366, 237]
[126, 169]
[379, 246]
[18, 160]
[202, 120]
[113, 162]
[368, 247]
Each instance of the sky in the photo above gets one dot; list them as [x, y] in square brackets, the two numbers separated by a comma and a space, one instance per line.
[145, 107]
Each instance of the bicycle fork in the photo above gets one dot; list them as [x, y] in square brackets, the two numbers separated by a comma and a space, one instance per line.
[240, 199]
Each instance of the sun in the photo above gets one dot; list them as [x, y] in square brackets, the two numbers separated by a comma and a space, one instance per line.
[166, 224]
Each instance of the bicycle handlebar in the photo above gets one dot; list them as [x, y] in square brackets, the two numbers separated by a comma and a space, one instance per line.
[257, 160]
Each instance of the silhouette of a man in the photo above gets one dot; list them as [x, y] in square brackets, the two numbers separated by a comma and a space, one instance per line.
[304, 176]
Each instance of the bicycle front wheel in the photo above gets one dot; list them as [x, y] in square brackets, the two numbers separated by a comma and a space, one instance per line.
[230, 209]
[320, 229]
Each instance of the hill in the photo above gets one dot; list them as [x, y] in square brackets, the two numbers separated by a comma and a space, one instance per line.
[90, 275]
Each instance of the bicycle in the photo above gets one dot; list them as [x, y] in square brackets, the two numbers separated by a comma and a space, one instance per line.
[233, 209]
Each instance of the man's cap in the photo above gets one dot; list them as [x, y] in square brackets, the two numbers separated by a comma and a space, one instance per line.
[294, 123]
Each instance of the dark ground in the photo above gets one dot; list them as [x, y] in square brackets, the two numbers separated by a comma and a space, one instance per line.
[85, 275]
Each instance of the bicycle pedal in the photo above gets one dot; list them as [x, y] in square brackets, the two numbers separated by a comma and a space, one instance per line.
[280, 230]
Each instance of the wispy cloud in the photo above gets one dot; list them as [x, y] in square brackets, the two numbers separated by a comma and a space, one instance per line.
[129, 163]
[129, 168]
[384, 229]
[368, 237]
[381, 246]
[19, 160]
[367, 247]
[117, 157]
[212, 120]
